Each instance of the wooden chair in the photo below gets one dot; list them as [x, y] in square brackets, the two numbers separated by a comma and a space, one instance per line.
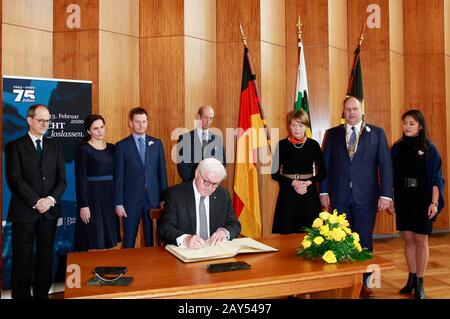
[155, 214]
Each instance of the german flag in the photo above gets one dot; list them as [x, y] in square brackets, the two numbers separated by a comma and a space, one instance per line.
[251, 135]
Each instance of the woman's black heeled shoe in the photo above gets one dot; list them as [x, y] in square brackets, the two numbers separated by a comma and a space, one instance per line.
[410, 285]
[419, 291]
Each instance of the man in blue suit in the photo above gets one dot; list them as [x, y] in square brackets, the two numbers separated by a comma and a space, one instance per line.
[140, 178]
[360, 178]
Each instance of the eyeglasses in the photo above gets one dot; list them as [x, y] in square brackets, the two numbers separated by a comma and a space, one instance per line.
[208, 183]
[42, 122]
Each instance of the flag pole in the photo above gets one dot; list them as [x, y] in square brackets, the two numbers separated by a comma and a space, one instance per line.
[299, 33]
[299, 29]
[244, 40]
[361, 40]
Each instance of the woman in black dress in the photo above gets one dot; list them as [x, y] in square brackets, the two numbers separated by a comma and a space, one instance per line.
[418, 186]
[298, 202]
[97, 224]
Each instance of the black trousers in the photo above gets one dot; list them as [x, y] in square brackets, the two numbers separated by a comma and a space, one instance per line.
[25, 235]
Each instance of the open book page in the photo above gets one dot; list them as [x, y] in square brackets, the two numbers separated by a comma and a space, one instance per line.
[225, 249]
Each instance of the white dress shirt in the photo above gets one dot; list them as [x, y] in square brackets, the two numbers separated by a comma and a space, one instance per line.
[197, 196]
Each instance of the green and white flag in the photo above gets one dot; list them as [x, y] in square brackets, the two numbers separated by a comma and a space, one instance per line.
[301, 96]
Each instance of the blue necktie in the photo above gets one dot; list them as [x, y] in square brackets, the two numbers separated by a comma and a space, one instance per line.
[39, 149]
[202, 219]
[352, 139]
[142, 149]
[352, 143]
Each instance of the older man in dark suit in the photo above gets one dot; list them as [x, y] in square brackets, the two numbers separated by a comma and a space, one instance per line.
[360, 178]
[199, 213]
[37, 178]
[199, 144]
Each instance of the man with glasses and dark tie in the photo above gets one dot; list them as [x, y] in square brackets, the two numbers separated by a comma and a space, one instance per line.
[140, 178]
[36, 176]
[359, 174]
[199, 213]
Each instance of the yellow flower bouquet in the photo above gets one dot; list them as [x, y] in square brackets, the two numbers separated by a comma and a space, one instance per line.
[331, 239]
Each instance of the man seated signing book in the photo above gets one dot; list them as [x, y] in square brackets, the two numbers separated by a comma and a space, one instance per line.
[199, 213]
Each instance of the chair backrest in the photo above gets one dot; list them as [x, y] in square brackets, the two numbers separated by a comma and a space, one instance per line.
[155, 214]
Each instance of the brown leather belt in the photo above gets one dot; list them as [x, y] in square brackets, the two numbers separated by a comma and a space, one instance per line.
[298, 176]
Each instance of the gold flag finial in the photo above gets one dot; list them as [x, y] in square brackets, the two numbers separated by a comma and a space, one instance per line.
[361, 38]
[244, 38]
[299, 29]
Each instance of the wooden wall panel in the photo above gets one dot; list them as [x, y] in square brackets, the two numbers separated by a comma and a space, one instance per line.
[200, 78]
[161, 18]
[338, 83]
[396, 38]
[76, 51]
[29, 13]
[76, 56]
[447, 26]
[424, 25]
[230, 13]
[119, 16]
[118, 81]
[118, 64]
[200, 19]
[375, 39]
[338, 55]
[162, 90]
[397, 94]
[89, 10]
[27, 38]
[32, 57]
[273, 23]
[338, 24]
[397, 67]
[376, 76]
[273, 97]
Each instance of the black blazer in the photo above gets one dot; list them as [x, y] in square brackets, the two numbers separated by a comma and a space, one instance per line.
[190, 153]
[30, 180]
[178, 217]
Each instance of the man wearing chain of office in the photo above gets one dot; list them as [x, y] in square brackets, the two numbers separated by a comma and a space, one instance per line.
[360, 178]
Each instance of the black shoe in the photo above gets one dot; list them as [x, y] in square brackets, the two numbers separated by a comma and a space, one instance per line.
[410, 285]
[419, 292]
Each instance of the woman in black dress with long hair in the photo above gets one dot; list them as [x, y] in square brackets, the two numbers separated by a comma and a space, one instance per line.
[97, 224]
[418, 186]
[298, 202]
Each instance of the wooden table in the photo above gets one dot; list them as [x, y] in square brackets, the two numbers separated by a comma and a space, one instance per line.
[159, 274]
